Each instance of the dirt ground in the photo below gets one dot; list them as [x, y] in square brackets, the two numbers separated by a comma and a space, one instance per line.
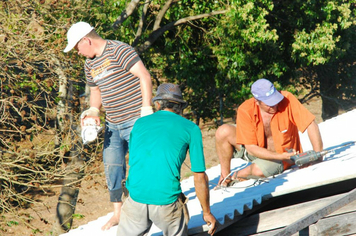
[93, 198]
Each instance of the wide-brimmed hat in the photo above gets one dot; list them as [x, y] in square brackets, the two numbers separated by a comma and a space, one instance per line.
[264, 91]
[76, 33]
[170, 92]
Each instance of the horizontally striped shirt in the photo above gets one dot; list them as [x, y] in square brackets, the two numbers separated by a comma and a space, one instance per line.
[120, 90]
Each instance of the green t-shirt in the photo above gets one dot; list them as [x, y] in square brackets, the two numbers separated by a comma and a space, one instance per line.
[158, 148]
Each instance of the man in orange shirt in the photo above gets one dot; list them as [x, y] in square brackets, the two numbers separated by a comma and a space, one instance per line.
[266, 134]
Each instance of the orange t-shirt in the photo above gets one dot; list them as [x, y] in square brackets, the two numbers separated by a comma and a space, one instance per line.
[291, 117]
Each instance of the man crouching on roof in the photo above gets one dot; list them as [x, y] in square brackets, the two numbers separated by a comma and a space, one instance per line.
[266, 134]
[158, 148]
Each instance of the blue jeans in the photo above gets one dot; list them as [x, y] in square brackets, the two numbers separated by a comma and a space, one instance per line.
[116, 145]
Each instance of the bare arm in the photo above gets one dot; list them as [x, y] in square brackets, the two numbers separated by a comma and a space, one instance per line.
[263, 153]
[315, 137]
[202, 190]
[140, 71]
[95, 97]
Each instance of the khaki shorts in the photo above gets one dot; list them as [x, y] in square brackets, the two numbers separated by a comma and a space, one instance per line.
[137, 218]
[268, 168]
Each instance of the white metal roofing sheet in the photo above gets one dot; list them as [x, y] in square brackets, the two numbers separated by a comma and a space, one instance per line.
[228, 203]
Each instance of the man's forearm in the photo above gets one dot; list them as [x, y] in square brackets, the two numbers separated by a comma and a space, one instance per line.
[95, 97]
[315, 136]
[202, 191]
[146, 90]
[201, 183]
[263, 153]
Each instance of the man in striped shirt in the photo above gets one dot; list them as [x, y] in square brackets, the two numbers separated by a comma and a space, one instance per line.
[119, 82]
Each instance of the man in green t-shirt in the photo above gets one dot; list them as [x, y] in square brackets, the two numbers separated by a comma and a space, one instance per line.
[158, 147]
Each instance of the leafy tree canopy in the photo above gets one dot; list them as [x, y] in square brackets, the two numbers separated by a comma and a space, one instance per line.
[290, 42]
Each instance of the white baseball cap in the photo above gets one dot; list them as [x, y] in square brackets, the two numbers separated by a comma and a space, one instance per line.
[76, 33]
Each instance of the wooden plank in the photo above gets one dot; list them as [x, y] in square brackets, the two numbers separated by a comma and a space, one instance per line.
[318, 214]
[287, 215]
[338, 225]
[279, 218]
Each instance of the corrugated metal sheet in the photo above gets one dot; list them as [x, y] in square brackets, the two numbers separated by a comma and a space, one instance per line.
[229, 203]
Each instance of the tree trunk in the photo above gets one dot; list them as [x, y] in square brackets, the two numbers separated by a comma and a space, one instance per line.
[328, 77]
[74, 171]
[67, 199]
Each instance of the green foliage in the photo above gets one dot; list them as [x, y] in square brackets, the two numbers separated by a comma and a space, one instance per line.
[318, 45]
[12, 223]
[35, 231]
[186, 57]
[246, 48]
[78, 216]
[292, 42]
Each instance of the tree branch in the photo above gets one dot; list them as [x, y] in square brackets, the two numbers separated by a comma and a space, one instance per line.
[126, 13]
[161, 14]
[155, 34]
[141, 23]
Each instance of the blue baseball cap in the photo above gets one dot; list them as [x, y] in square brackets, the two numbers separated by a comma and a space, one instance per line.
[263, 90]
